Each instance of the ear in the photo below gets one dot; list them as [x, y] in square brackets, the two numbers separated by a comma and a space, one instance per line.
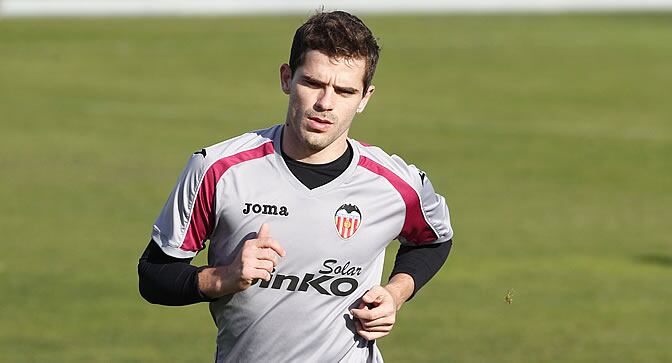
[285, 78]
[365, 99]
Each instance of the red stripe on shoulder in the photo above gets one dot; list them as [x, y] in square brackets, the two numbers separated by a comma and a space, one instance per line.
[415, 229]
[202, 217]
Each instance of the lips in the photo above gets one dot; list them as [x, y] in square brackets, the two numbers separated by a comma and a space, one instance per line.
[318, 124]
[320, 120]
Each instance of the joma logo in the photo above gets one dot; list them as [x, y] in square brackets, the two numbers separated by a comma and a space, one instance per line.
[265, 209]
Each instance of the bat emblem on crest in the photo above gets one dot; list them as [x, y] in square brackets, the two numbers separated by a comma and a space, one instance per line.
[348, 219]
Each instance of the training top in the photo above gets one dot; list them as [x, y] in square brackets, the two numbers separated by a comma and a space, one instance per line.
[334, 237]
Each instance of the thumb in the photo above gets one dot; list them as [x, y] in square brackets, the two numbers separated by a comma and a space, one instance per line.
[264, 231]
[371, 296]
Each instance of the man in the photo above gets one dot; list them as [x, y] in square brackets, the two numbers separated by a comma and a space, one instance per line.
[298, 217]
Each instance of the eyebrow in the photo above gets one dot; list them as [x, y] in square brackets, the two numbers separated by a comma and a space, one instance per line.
[310, 79]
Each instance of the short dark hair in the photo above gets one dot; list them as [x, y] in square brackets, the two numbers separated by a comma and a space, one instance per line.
[337, 34]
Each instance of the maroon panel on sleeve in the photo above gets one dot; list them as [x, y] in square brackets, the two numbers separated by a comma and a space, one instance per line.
[203, 216]
[415, 229]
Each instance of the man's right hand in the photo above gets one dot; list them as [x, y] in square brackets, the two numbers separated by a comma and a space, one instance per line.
[256, 260]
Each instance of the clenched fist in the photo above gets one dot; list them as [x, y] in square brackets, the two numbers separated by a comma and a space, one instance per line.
[256, 260]
[376, 314]
[377, 310]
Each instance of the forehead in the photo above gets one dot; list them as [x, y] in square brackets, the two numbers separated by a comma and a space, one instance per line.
[348, 72]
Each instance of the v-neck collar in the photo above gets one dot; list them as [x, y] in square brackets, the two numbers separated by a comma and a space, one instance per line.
[296, 183]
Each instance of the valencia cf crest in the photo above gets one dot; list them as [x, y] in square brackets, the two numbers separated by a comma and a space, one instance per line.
[348, 218]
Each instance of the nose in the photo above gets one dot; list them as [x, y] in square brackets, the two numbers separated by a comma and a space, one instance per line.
[325, 101]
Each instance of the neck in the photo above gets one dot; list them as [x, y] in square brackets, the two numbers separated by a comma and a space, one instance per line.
[299, 152]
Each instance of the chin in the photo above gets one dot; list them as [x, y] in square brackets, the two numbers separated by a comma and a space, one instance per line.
[315, 142]
[314, 146]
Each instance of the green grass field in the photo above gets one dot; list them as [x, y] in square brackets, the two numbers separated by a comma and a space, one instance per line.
[550, 136]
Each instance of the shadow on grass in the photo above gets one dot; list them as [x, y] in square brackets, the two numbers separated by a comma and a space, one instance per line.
[655, 259]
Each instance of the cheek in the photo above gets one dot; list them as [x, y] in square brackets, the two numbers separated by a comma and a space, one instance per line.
[298, 100]
[351, 110]
[294, 105]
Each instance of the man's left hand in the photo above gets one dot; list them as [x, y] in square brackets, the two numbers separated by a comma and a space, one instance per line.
[376, 313]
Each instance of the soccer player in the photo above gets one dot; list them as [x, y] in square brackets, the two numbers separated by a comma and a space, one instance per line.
[298, 217]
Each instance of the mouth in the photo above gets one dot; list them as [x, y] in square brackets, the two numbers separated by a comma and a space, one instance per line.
[317, 124]
[320, 120]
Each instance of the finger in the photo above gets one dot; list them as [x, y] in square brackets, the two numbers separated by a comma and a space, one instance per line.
[387, 321]
[363, 314]
[360, 330]
[377, 329]
[265, 265]
[373, 296]
[368, 335]
[369, 314]
[264, 231]
[379, 299]
[267, 254]
[262, 274]
[252, 272]
[369, 296]
[272, 244]
[358, 327]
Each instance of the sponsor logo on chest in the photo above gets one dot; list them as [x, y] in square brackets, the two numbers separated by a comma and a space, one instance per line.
[333, 279]
[271, 209]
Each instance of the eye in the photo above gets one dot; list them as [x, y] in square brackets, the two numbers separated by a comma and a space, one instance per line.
[345, 92]
[312, 83]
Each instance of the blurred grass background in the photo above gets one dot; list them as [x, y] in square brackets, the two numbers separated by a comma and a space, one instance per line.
[549, 135]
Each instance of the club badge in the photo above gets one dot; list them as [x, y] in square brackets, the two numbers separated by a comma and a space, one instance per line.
[348, 218]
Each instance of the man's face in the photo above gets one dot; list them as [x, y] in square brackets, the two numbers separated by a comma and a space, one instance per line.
[324, 96]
